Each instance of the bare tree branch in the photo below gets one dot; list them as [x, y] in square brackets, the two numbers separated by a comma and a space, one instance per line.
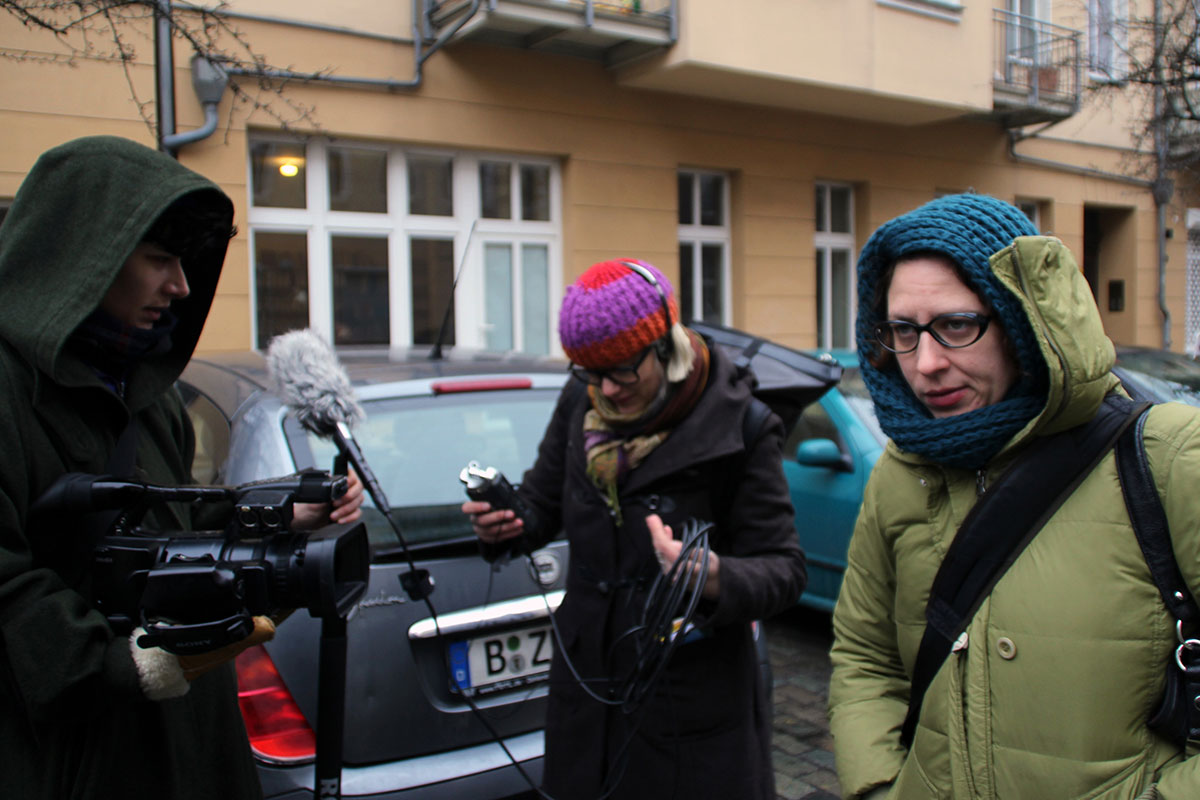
[1164, 55]
[113, 30]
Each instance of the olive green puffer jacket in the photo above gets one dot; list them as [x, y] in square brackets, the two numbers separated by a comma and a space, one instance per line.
[1066, 658]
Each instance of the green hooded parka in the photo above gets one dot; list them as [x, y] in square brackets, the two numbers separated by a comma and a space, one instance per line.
[1066, 659]
[74, 722]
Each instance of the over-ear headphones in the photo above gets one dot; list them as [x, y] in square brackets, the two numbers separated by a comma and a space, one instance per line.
[665, 346]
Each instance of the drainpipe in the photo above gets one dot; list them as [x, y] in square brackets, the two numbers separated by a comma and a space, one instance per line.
[420, 55]
[208, 81]
[1091, 172]
[164, 73]
[1164, 187]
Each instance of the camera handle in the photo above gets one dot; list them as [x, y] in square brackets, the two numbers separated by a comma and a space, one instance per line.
[200, 637]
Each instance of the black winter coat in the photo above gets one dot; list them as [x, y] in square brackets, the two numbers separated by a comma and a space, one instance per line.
[705, 729]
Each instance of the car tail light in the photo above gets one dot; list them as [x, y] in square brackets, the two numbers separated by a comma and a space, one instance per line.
[278, 730]
[481, 385]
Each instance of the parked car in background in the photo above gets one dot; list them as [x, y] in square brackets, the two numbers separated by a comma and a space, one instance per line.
[410, 731]
[1159, 375]
[831, 450]
[826, 460]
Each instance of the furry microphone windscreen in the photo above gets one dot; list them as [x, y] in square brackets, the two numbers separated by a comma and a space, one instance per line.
[309, 378]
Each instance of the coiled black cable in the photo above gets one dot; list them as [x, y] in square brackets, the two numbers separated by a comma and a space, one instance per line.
[666, 620]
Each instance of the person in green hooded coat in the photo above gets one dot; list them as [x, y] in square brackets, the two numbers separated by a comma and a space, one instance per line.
[977, 337]
[109, 260]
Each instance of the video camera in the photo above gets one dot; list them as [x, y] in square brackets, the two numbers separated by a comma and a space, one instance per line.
[194, 592]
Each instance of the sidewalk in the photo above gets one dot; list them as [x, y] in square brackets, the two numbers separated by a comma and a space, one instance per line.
[798, 642]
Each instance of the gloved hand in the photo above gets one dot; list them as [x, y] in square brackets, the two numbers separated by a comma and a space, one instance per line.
[165, 675]
[196, 665]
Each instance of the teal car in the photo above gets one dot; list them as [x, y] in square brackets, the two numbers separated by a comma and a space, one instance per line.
[826, 460]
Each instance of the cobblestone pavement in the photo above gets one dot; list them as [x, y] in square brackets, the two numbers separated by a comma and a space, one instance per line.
[798, 642]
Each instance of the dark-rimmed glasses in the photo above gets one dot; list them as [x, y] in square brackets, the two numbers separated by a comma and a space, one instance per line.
[624, 375]
[959, 329]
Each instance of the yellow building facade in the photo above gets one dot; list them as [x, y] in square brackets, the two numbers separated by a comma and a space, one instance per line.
[488, 151]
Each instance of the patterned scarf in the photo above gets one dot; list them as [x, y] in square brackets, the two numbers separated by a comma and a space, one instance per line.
[617, 443]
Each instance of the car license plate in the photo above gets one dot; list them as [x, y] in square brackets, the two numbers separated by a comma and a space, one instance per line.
[487, 664]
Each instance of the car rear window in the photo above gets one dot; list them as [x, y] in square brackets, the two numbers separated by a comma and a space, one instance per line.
[857, 396]
[1166, 376]
[418, 446]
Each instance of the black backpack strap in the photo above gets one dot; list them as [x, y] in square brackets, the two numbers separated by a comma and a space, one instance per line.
[1177, 716]
[1149, 523]
[999, 527]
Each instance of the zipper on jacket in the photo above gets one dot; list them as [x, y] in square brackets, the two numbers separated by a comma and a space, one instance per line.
[1023, 282]
[980, 482]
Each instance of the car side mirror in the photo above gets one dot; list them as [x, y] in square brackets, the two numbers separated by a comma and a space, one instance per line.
[822, 453]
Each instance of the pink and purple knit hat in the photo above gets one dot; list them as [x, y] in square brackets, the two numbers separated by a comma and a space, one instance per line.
[611, 313]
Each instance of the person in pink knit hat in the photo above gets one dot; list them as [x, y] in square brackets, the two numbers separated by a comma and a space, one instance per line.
[646, 449]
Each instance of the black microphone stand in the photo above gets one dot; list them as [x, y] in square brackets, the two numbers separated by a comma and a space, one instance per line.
[331, 697]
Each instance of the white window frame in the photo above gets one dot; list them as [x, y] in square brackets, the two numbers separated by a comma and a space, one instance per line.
[699, 235]
[465, 228]
[828, 241]
[1032, 209]
[1115, 33]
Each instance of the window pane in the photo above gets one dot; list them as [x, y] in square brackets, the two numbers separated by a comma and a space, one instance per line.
[712, 296]
[685, 199]
[822, 339]
[535, 192]
[535, 298]
[712, 200]
[687, 260]
[839, 209]
[360, 290]
[281, 283]
[357, 180]
[432, 289]
[413, 443]
[820, 208]
[839, 301]
[277, 174]
[495, 190]
[429, 186]
[497, 292]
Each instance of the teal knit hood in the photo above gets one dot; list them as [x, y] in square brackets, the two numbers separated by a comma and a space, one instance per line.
[78, 215]
[969, 229]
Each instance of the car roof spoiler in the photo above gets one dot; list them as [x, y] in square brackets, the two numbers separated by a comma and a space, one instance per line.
[788, 380]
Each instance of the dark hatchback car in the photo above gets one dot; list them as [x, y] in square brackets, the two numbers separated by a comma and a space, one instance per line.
[410, 730]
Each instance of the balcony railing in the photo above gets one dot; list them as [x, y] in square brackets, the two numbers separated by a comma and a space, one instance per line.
[612, 31]
[1037, 70]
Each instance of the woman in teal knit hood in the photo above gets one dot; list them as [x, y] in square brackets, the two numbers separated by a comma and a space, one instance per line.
[968, 229]
[977, 337]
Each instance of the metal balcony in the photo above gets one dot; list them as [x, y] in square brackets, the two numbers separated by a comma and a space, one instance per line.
[613, 32]
[1037, 70]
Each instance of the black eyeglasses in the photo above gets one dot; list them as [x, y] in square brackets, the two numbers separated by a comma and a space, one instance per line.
[626, 375]
[949, 330]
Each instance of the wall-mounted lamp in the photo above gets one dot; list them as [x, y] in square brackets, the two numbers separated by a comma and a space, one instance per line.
[289, 169]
